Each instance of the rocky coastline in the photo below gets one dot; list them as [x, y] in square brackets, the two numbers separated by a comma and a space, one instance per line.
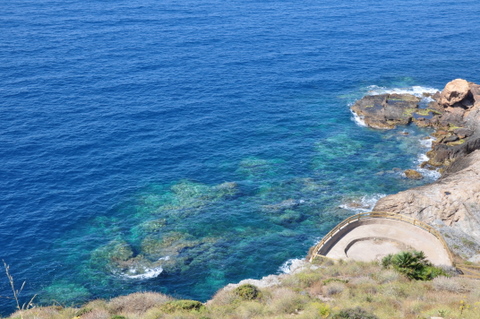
[452, 203]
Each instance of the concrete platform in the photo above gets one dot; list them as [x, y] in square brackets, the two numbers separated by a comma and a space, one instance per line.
[368, 239]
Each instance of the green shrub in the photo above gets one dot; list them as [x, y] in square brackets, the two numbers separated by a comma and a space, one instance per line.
[414, 265]
[117, 317]
[182, 305]
[248, 292]
[354, 313]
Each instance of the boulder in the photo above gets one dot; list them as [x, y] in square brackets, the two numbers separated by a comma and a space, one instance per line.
[454, 92]
[413, 174]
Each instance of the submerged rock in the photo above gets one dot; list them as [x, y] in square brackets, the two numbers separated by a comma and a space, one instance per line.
[286, 204]
[118, 257]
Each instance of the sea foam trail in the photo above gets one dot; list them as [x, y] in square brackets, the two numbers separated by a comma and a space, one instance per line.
[414, 90]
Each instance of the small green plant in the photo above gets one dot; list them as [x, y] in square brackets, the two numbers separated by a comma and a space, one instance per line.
[248, 292]
[322, 309]
[182, 305]
[117, 317]
[354, 313]
[329, 280]
[442, 313]
[468, 243]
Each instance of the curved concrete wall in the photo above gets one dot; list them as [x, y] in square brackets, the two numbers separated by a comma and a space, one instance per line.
[386, 230]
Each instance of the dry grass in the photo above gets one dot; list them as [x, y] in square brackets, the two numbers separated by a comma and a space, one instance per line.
[52, 312]
[136, 303]
[311, 294]
[333, 289]
[286, 301]
[96, 314]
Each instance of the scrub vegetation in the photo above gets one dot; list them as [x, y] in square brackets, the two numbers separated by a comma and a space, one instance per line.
[325, 289]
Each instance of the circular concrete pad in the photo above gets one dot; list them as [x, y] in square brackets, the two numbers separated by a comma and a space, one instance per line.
[369, 249]
[371, 238]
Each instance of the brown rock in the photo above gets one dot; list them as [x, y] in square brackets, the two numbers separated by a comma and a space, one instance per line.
[454, 92]
[413, 174]
[475, 90]
[451, 138]
[387, 110]
[463, 132]
[453, 199]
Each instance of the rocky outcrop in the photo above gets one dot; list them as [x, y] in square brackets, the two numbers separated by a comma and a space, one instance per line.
[454, 113]
[453, 201]
[386, 111]
[455, 92]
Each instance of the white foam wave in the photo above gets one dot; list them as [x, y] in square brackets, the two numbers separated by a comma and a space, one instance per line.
[358, 119]
[291, 266]
[148, 274]
[429, 174]
[427, 99]
[362, 204]
[427, 142]
[422, 157]
[414, 90]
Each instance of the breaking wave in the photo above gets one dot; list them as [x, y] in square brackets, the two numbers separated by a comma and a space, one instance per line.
[148, 274]
[291, 265]
[414, 90]
[358, 119]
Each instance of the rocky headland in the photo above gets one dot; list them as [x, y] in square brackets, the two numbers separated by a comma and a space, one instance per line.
[452, 203]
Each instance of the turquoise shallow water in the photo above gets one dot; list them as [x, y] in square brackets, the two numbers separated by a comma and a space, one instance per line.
[201, 144]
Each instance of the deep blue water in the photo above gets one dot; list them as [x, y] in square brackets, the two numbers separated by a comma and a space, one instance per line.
[121, 122]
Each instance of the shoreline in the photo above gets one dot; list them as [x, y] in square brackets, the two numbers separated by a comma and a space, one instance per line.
[450, 203]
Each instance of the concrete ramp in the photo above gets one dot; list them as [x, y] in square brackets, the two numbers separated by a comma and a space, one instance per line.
[372, 236]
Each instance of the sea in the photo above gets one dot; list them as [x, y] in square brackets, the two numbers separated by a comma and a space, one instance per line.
[178, 146]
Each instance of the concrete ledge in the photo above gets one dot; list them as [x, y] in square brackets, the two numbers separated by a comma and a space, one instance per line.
[369, 239]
